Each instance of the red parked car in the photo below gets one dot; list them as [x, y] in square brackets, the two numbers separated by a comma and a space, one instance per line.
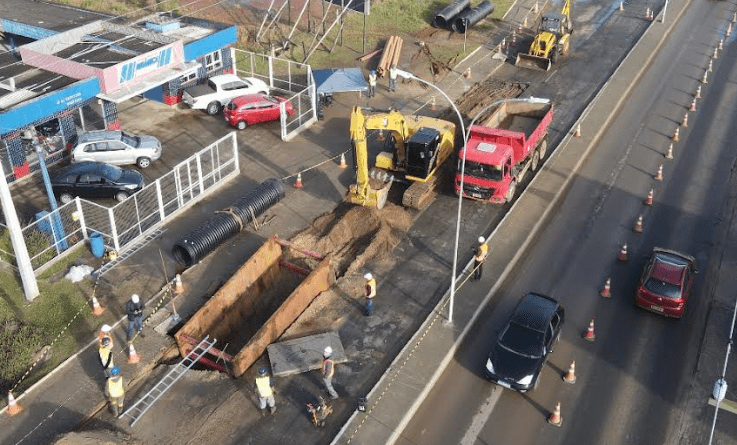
[666, 282]
[251, 109]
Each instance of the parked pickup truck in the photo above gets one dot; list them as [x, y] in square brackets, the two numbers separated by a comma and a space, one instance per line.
[212, 95]
[499, 152]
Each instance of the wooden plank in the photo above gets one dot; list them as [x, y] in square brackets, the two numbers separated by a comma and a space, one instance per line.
[365, 57]
[726, 405]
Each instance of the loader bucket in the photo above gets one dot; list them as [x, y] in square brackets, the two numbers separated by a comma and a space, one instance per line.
[533, 62]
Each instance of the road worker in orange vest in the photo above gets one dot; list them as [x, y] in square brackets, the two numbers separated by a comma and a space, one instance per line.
[328, 370]
[370, 288]
[478, 260]
[115, 391]
[265, 390]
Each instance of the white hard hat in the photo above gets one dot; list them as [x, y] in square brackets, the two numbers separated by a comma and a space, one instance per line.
[106, 328]
[368, 276]
[134, 298]
[328, 351]
[481, 239]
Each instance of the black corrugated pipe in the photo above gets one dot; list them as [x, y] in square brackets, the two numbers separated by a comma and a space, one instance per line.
[191, 248]
[466, 19]
[444, 18]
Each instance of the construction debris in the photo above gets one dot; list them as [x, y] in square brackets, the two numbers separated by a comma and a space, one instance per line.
[390, 56]
[304, 353]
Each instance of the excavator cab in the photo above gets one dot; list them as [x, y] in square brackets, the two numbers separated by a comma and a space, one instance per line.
[422, 149]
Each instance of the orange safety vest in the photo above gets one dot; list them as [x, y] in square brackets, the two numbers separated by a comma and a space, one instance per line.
[328, 368]
[371, 288]
[481, 254]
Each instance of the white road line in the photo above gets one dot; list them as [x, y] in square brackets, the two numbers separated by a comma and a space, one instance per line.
[480, 418]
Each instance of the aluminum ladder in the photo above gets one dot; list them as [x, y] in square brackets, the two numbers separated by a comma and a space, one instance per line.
[138, 409]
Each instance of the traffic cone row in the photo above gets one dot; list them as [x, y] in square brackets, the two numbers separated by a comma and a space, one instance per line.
[97, 310]
[13, 407]
[606, 291]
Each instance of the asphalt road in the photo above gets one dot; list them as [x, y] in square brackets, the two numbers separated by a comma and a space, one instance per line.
[633, 380]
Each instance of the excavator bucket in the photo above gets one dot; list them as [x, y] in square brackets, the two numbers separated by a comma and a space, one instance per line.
[533, 62]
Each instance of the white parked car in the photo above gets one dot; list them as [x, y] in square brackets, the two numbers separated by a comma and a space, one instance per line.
[116, 148]
[219, 90]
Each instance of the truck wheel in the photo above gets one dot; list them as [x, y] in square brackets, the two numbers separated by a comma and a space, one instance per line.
[213, 108]
[535, 160]
[511, 191]
[543, 148]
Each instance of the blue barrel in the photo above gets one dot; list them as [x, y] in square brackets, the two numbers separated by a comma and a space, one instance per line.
[97, 244]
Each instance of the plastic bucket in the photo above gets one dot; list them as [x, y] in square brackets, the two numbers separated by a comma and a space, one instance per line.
[97, 244]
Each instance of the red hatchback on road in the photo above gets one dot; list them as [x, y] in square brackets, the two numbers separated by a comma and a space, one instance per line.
[251, 109]
[666, 282]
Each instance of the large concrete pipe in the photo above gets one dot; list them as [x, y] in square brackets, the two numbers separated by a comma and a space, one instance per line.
[444, 18]
[466, 19]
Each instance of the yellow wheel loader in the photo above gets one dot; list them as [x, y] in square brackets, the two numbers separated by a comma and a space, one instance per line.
[551, 43]
[419, 146]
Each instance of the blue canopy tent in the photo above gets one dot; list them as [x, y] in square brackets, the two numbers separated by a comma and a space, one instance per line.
[338, 80]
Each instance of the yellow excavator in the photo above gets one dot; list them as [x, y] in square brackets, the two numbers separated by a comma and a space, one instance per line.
[418, 148]
[552, 41]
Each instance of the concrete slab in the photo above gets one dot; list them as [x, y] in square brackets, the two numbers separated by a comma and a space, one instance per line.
[304, 354]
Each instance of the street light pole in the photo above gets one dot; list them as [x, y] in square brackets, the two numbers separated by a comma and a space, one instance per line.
[407, 75]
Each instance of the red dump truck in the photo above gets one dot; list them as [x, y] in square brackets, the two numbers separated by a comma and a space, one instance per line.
[499, 152]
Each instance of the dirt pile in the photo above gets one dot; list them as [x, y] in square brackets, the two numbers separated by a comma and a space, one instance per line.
[353, 235]
[485, 93]
[97, 437]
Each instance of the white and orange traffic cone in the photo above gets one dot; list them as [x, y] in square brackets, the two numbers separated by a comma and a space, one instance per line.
[647, 14]
[710, 67]
[570, 376]
[178, 286]
[514, 38]
[132, 354]
[606, 291]
[621, 6]
[676, 135]
[555, 418]
[590, 335]
[577, 132]
[705, 77]
[623, 253]
[342, 161]
[693, 105]
[536, 8]
[734, 17]
[13, 407]
[659, 174]
[721, 44]
[638, 225]
[524, 22]
[649, 198]
[698, 92]
[669, 153]
[432, 104]
[298, 182]
[729, 30]
[715, 54]
[684, 121]
[97, 310]
[467, 73]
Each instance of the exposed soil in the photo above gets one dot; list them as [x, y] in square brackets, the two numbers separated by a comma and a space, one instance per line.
[97, 437]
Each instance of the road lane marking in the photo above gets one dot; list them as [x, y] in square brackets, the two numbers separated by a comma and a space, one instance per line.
[480, 418]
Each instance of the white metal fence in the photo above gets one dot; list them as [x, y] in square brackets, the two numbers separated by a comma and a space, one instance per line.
[58, 232]
[288, 78]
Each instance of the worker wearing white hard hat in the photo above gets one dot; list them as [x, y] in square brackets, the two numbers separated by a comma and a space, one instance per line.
[478, 260]
[370, 294]
[328, 370]
[105, 333]
[134, 310]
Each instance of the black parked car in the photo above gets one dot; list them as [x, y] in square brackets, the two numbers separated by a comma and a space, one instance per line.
[524, 344]
[95, 180]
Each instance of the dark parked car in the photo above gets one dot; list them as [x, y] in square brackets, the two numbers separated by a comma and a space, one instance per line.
[95, 180]
[518, 355]
[666, 282]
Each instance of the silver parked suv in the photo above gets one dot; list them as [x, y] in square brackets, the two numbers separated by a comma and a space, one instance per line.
[117, 148]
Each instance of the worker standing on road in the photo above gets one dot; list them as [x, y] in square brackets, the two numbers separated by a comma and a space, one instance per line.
[393, 77]
[265, 390]
[105, 333]
[106, 355]
[372, 84]
[370, 294]
[134, 309]
[478, 260]
[328, 370]
[115, 391]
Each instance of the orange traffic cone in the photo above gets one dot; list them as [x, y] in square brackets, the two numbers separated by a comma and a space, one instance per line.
[178, 286]
[721, 44]
[659, 174]
[536, 8]
[623, 253]
[555, 418]
[715, 54]
[621, 6]
[649, 199]
[638, 225]
[590, 335]
[298, 183]
[710, 67]
[676, 135]
[684, 121]
[606, 290]
[342, 161]
[524, 22]
[577, 132]
[705, 77]
[432, 103]
[693, 105]
[734, 17]
[467, 74]
[13, 407]
[647, 13]
[570, 376]
[729, 30]
[514, 38]
[698, 92]
[669, 153]
[97, 310]
[132, 355]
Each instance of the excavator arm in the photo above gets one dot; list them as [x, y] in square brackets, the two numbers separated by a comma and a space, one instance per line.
[362, 193]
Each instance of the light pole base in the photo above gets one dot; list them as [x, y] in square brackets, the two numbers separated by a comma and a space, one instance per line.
[447, 323]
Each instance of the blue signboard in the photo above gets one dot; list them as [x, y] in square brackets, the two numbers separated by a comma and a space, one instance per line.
[139, 67]
[211, 43]
[43, 107]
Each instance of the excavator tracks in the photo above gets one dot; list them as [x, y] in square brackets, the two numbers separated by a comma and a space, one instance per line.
[419, 195]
